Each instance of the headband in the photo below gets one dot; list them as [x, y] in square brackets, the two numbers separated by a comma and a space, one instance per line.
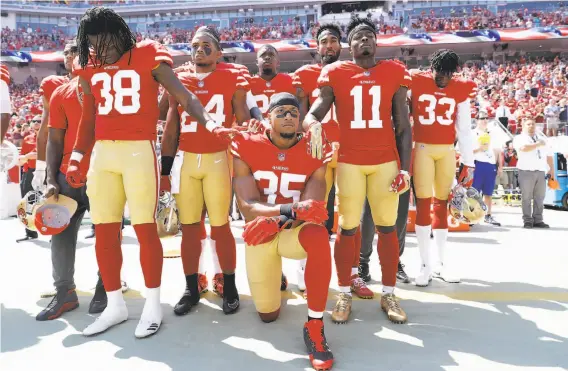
[283, 99]
[359, 27]
[206, 32]
[331, 31]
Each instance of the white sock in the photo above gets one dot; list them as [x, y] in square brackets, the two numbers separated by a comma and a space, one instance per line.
[354, 271]
[215, 257]
[440, 239]
[345, 289]
[302, 264]
[151, 317]
[202, 257]
[388, 290]
[423, 237]
[313, 314]
[115, 313]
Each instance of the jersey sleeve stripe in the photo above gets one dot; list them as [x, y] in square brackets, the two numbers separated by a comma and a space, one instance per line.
[235, 153]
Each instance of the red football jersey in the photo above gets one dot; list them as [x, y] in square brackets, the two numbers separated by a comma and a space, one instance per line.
[126, 93]
[363, 102]
[306, 77]
[280, 175]
[65, 113]
[263, 90]
[50, 83]
[215, 92]
[434, 109]
[4, 74]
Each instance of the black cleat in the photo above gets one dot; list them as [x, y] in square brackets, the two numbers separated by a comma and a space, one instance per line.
[186, 302]
[63, 301]
[364, 272]
[401, 275]
[231, 306]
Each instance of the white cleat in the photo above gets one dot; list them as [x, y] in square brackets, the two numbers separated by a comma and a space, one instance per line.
[424, 278]
[301, 280]
[151, 318]
[447, 275]
[110, 317]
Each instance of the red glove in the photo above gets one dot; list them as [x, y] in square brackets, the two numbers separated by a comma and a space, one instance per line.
[165, 184]
[401, 183]
[74, 176]
[310, 211]
[225, 135]
[466, 176]
[262, 229]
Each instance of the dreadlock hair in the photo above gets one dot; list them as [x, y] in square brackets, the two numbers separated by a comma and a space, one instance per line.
[212, 33]
[356, 22]
[333, 28]
[102, 21]
[445, 61]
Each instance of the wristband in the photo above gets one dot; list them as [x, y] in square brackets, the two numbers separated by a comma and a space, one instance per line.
[76, 156]
[212, 125]
[283, 220]
[40, 165]
[286, 210]
[167, 163]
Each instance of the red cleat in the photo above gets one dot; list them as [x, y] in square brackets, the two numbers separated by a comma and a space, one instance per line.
[202, 283]
[359, 287]
[318, 350]
[218, 282]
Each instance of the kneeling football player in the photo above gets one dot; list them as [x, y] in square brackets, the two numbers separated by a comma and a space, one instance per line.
[280, 190]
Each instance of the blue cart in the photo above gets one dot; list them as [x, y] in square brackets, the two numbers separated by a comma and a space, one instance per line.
[558, 198]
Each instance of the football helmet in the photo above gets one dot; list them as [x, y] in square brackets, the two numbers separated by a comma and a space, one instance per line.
[52, 217]
[167, 216]
[28, 207]
[466, 205]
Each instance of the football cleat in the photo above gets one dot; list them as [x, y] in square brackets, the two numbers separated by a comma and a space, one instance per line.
[342, 308]
[202, 283]
[218, 282]
[390, 305]
[321, 357]
[359, 287]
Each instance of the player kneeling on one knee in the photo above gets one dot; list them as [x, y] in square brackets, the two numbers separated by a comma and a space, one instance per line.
[281, 195]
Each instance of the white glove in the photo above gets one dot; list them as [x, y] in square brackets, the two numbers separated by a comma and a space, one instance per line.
[38, 182]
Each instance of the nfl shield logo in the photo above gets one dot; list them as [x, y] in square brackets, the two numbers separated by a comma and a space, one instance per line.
[200, 84]
[268, 84]
[281, 157]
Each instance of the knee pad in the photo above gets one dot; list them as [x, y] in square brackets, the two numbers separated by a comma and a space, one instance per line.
[423, 217]
[440, 220]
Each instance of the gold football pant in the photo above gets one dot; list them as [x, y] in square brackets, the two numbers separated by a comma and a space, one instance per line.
[264, 267]
[434, 170]
[204, 179]
[355, 182]
[330, 174]
[119, 171]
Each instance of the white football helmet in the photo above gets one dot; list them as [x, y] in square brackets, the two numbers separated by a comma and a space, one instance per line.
[466, 205]
[8, 156]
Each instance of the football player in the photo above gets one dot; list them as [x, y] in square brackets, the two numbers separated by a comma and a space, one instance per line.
[46, 89]
[64, 116]
[440, 105]
[374, 155]
[201, 168]
[5, 102]
[119, 79]
[281, 197]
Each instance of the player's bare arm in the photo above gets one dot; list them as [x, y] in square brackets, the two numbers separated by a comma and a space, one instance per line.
[304, 102]
[240, 107]
[403, 131]
[190, 103]
[171, 130]
[43, 131]
[315, 186]
[163, 105]
[320, 108]
[248, 195]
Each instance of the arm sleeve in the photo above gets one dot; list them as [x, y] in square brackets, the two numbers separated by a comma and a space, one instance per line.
[5, 101]
[57, 117]
[465, 133]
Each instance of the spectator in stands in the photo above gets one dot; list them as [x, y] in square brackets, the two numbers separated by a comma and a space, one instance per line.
[510, 159]
[563, 115]
[535, 160]
[503, 113]
[27, 161]
[488, 164]
[552, 114]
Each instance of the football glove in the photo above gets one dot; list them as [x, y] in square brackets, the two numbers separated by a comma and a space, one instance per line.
[74, 176]
[38, 181]
[315, 140]
[401, 183]
[309, 211]
[165, 184]
[261, 230]
[466, 176]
